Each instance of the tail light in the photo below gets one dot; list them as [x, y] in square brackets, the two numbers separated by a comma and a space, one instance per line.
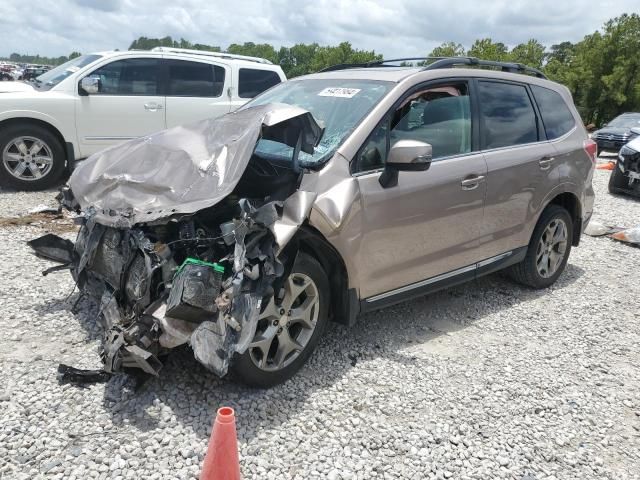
[591, 148]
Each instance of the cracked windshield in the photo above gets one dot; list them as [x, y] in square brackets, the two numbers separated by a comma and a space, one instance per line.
[337, 105]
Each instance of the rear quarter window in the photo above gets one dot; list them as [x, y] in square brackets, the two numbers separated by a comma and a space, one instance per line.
[252, 82]
[556, 116]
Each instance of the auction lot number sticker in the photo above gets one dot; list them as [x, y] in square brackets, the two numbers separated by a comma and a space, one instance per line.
[339, 92]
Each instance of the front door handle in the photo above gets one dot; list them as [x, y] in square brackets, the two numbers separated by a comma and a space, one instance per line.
[472, 182]
[152, 107]
[545, 162]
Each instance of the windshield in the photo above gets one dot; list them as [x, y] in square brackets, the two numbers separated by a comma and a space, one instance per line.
[337, 105]
[625, 121]
[56, 75]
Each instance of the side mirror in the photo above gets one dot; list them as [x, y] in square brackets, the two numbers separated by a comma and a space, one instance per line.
[90, 85]
[405, 155]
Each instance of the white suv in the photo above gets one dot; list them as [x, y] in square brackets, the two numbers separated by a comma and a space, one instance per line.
[95, 101]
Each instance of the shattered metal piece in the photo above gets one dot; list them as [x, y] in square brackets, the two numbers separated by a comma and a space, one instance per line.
[67, 374]
[53, 247]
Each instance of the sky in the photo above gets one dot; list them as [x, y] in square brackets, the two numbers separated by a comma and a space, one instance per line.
[395, 28]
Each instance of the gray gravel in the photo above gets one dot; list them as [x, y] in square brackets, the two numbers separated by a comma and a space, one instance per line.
[486, 380]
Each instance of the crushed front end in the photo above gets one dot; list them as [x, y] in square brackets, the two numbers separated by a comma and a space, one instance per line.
[184, 233]
[191, 281]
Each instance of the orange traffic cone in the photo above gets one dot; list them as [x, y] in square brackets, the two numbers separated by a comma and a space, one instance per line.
[221, 461]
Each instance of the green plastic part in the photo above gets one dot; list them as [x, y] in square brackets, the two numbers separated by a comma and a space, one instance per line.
[194, 261]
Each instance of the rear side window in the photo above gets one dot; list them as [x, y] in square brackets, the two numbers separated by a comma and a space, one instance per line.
[253, 82]
[133, 76]
[556, 116]
[507, 115]
[194, 79]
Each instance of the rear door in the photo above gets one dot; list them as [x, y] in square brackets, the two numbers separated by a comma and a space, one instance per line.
[251, 83]
[522, 167]
[129, 104]
[196, 90]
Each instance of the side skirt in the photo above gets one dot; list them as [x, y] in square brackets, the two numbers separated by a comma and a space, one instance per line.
[445, 280]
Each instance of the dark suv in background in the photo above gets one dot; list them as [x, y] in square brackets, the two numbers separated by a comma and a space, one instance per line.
[613, 135]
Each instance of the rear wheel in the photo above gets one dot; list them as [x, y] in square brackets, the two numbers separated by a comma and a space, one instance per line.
[31, 157]
[288, 330]
[548, 250]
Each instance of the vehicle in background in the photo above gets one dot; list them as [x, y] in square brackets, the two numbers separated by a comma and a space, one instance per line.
[99, 100]
[328, 196]
[625, 177]
[30, 73]
[613, 135]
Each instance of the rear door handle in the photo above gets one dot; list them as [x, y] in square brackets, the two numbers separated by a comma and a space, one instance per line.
[545, 162]
[472, 182]
[152, 107]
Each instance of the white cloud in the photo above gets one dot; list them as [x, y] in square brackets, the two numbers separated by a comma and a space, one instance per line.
[392, 27]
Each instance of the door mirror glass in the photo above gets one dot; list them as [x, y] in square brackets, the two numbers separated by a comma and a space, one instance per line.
[90, 85]
[410, 155]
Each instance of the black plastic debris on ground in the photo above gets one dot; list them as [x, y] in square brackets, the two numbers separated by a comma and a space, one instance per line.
[77, 376]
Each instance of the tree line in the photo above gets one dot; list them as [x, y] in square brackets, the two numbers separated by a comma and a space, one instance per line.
[602, 71]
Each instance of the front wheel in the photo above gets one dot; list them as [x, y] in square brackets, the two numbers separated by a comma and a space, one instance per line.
[548, 250]
[288, 330]
[31, 157]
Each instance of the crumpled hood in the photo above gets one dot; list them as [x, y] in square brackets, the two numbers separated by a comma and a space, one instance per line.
[6, 87]
[186, 168]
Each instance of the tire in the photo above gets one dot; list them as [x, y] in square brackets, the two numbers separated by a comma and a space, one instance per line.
[17, 142]
[617, 181]
[246, 366]
[529, 272]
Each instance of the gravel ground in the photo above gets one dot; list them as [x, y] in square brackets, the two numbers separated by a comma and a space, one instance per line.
[486, 380]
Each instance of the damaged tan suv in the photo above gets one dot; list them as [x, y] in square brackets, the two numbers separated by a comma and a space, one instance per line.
[325, 197]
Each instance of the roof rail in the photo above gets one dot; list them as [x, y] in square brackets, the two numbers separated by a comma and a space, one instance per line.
[443, 62]
[207, 53]
[475, 62]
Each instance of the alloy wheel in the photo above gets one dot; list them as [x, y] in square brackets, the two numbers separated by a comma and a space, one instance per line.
[27, 158]
[285, 329]
[551, 248]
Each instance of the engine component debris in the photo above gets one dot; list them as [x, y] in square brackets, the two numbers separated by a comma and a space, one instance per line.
[195, 287]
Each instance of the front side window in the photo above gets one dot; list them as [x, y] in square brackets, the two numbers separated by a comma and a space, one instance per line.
[252, 82]
[556, 116]
[194, 79]
[132, 76]
[507, 114]
[439, 115]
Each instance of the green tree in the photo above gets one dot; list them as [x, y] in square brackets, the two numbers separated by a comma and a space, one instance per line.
[448, 49]
[603, 70]
[486, 49]
[531, 53]
[261, 50]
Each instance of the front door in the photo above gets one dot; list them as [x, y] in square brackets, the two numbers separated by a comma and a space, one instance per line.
[430, 223]
[128, 104]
